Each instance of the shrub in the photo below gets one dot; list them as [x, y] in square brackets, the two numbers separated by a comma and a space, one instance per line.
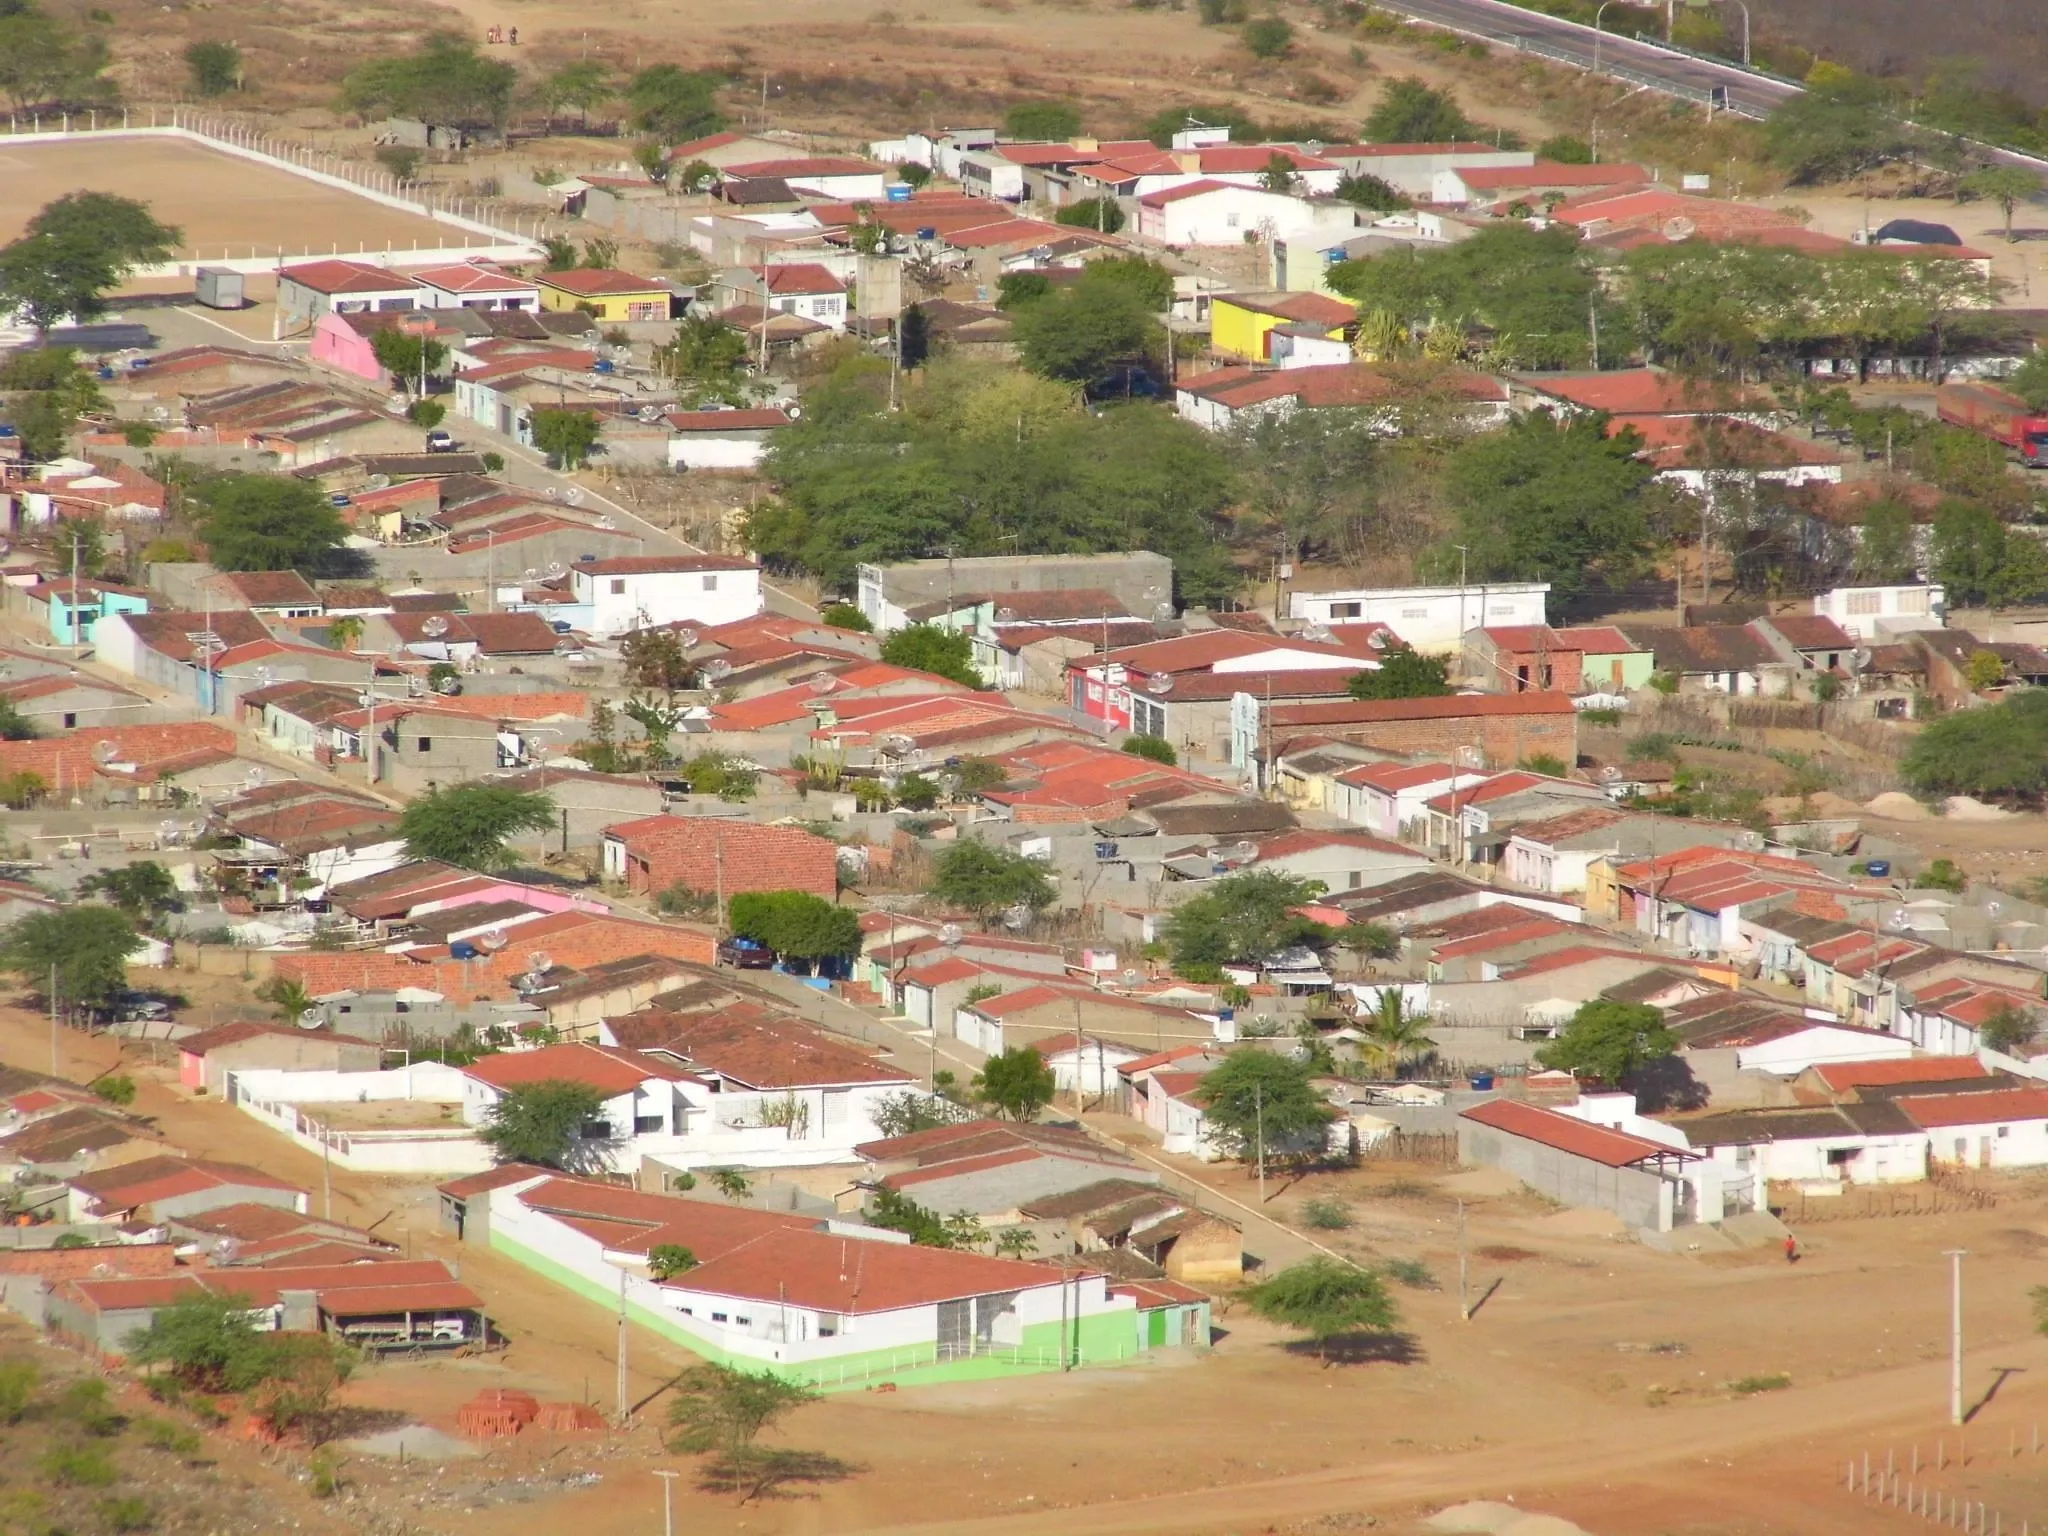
[129, 1513]
[79, 1466]
[1748, 1386]
[1412, 1273]
[1325, 1214]
[18, 1380]
[1269, 37]
[1155, 749]
[400, 161]
[164, 1435]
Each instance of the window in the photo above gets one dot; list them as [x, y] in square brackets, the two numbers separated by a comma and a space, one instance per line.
[595, 1130]
[1230, 221]
[1414, 613]
[2005, 1130]
[743, 1322]
[1866, 602]
[1346, 610]
[828, 1325]
[70, 722]
[618, 586]
[710, 582]
[687, 1311]
[649, 1125]
[423, 743]
[1909, 602]
[718, 1317]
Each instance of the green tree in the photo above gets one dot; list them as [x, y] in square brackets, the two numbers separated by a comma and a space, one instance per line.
[205, 1339]
[1610, 1041]
[914, 337]
[444, 81]
[2006, 185]
[215, 67]
[1016, 289]
[655, 659]
[913, 174]
[1254, 1093]
[1016, 1083]
[915, 792]
[667, 1260]
[2030, 380]
[1326, 1299]
[934, 648]
[1394, 1032]
[1998, 752]
[984, 880]
[674, 103]
[1268, 37]
[1404, 673]
[796, 924]
[580, 83]
[88, 947]
[1155, 749]
[144, 891]
[288, 998]
[1082, 332]
[1967, 548]
[118, 1090]
[49, 392]
[908, 1112]
[1045, 121]
[718, 1409]
[1245, 918]
[565, 436]
[926, 1228]
[1105, 215]
[45, 64]
[2009, 1028]
[1884, 553]
[75, 251]
[1565, 149]
[845, 616]
[1370, 192]
[14, 725]
[256, 522]
[1411, 112]
[1835, 129]
[1560, 501]
[554, 1122]
[410, 358]
[472, 824]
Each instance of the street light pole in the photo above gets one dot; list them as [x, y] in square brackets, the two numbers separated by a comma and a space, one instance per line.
[1597, 34]
[668, 1487]
[1955, 1335]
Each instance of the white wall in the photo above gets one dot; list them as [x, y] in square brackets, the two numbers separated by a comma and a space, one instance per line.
[1867, 612]
[1428, 618]
[666, 597]
[701, 450]
[1994, 1144]
[1790, 1055]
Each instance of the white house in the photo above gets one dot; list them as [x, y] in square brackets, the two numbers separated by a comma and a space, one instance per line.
[1209, 212]
[305, 293]
[721, 439]
[469, 286]
[1873, 613]
[1428, 618]
[1385, 797]
[610, 597]
[840, 177]
[826, 1301]
[1412, 168]
[807, 289]
[2003, 1128]
[1092, 1064]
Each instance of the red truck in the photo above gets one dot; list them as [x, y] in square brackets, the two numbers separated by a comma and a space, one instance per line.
[1997, 415]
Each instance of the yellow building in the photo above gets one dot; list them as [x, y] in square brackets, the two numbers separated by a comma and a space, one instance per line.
[614, 297]
[1241, 324]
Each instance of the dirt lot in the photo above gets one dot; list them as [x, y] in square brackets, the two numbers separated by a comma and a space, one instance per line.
[1594, 1381]
[226, 206]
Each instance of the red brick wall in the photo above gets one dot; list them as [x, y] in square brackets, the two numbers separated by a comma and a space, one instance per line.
[1506, 739]
[708, 854]
[595, 939]
[1567, 671]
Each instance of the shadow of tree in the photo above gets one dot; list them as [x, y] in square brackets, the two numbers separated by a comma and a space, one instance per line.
[348, 1421]
[756, 1473]
[1666, 1084]
[1360, 1349]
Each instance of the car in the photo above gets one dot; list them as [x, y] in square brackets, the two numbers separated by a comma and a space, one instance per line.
[440, 441]
[745, 955]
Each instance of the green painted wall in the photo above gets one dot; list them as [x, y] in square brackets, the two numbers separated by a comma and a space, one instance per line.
[1102, 1339]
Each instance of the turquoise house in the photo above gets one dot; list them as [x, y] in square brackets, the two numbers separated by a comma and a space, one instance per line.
[95, 600]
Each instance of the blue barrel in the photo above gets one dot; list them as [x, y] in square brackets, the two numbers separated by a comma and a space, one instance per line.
[900, 192]
[1482, 1082]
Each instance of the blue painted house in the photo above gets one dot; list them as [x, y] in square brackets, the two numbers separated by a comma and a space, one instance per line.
[94, 600]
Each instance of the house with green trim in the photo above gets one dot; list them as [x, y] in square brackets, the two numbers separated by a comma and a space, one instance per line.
[827, 1300]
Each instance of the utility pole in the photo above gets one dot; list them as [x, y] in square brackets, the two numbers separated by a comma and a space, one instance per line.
[1464, 1294]
[668, 1488]
[625, 1415]
[75, 624]
[53, 1022]
[1259, 1124]
[326, 1178]
[1955, 1335]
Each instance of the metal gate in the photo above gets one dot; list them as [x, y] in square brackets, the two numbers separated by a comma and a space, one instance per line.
[956, 1329]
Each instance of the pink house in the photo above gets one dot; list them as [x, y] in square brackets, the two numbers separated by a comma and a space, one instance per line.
[344, 348]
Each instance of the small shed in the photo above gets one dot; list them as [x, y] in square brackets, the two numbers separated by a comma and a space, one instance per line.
[1578, 1163]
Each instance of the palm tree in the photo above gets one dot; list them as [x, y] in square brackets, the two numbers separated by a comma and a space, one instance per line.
[1380, 335]
[288, 997]
[1394, 1033]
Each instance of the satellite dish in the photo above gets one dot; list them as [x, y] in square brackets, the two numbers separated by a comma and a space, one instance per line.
[1131, 978]
[823, 682]
[255, 777]
[395, 404]
[492, 939]
[1900, 919]
[1862, 654]
[951, 934]
[434, 626]
[1377, 640]
[169, 829]
[1161, 612]
[1016, 918]
[1160, 683]
[573, 495]
[1243, 851]
[606, 524]
[686, 638]
[159, 413]
[899, 743]
[312, 1018]
[1320, 633]
[1610, 774]
[717, 668]
[566, 647]
[1993, 908]
[553, 494]
[648, 412]
[104, 752]
[540, 962]
[531, 573]
[447, 686]
[1680, 228]
[556, 570]
[1006, 615]
[380, 482]
[366, 699]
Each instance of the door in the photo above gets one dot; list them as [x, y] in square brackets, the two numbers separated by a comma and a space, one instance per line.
[1155, 1328]
[956, 1329]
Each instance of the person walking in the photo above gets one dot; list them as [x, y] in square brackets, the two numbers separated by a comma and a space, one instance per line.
[1791, 1249]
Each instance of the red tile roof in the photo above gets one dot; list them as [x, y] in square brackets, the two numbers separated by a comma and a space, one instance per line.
[1633, 392]
[597, 281]
[1615, 1149]
[337, 277]
[1844, 1075]
[606, 1068]
[1940, 1110]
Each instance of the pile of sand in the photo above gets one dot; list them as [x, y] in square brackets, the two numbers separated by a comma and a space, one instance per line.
[1485, 1517]
[1964, 808]
[1894, 805]
[1824, 806]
